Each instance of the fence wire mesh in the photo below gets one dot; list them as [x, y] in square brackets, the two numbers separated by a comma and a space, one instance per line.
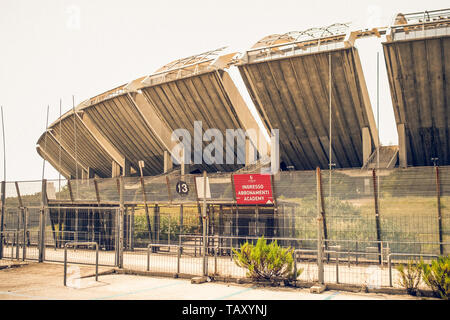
[369, 217]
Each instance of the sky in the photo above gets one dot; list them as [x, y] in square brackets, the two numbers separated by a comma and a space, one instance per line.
[51, 50]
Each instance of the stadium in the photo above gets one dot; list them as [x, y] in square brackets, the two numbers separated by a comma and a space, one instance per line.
[316, 155]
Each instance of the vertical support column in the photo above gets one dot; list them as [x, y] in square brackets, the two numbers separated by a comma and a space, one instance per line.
[320, 216]
[44, 208]
[126, 172]
[120, 222]
[438, 195]
[402, 154]
[2, 217]
[377, 213]
[76, 236]
[367, 145]
[22, 213]
[168, 164]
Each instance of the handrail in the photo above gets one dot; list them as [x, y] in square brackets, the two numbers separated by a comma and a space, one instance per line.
[74, 243]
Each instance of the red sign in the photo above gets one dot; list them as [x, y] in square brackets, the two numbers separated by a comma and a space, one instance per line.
[253, 189]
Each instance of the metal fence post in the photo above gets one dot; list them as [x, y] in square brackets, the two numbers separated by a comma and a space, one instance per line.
[178, 259]
[44, 206]
[438, 195]
[25, 222]
[120, 224]
[319, 227]
[65, 264]
[17, 244]
[13, 242]
[2, 217]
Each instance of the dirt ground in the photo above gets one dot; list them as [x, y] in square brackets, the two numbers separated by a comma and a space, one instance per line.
[44, 281]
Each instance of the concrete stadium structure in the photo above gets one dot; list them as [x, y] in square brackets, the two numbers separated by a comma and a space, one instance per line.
[417, 54]
[109, 134]
[288, 77]
[309, 85]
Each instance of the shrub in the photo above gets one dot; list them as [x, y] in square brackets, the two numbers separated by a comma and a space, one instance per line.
[266, 261]
[437, 276]
[410, 276]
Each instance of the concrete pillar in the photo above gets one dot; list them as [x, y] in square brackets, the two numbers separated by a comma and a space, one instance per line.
[367, 144]
[168, 164]
[115, 169]
[127, 168]
[402, 154]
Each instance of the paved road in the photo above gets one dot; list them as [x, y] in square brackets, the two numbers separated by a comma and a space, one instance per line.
[45, 281]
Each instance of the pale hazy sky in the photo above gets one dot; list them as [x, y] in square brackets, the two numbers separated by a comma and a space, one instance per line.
[55, 49]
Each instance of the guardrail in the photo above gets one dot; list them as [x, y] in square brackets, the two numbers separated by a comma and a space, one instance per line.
[405, 255]
[74, 244]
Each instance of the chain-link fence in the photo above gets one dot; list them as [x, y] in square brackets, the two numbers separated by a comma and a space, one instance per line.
[364, 218]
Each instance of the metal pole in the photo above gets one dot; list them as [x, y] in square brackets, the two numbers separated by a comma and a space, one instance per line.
[120, 224]
[96, 261]
[75, 140]
[65, 265]
[319, 228]
[17, 238]
[205, 271]
[295, 264]
[42, 221]
[178, 259]
[438, 194]
[132, 230]
[377, 213]
[378, 115]
[150, 246]
[2, 217]
[59, 151]
[3, 187]
[25, 222]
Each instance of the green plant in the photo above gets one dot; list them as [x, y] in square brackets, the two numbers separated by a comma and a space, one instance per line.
[410, 276]
[437, 276]
[266, 261]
